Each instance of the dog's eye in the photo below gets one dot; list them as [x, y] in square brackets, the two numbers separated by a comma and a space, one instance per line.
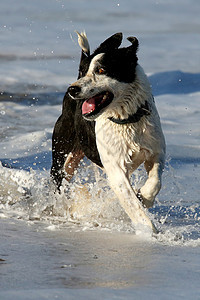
[101, 71]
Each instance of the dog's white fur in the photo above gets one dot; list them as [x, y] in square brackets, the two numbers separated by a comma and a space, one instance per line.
[123, 148]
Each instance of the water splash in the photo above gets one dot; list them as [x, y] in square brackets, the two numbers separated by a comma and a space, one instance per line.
[88, 203]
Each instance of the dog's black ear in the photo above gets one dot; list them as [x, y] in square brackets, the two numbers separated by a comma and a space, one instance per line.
[134, 42]
[112, 42]
[83, 65]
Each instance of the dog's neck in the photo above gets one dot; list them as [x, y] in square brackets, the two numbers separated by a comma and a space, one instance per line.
[133, 103]
[143, 110]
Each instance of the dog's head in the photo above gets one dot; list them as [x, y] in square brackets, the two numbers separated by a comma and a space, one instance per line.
[103, 74]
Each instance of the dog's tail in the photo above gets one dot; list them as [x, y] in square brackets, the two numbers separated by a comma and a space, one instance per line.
[83, 42]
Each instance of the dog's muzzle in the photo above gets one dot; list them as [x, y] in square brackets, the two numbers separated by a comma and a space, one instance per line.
[93, 106]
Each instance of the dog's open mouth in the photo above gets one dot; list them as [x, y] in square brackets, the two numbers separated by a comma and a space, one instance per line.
[94, 105]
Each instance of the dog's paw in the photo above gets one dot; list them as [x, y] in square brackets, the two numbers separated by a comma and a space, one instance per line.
[145, 202]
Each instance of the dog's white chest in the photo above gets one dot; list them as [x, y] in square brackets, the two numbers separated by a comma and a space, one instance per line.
[116, 142]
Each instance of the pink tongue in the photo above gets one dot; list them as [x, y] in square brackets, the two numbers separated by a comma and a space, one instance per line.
[88, 106]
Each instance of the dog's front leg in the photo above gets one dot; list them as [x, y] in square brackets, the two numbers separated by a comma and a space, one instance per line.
[151, 188]
[121, 186]
[115, 169]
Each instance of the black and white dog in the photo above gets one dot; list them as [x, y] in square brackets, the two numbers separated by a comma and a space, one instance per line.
[109, 115]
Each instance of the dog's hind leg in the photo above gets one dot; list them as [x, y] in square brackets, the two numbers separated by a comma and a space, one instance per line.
[152, 186]
[71, 163]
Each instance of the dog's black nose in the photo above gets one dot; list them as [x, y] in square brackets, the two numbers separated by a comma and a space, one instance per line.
[73, 91]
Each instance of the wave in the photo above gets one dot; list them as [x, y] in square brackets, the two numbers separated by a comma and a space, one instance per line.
[34, 95]
[171, 82]
[13, 57]
[174, 82]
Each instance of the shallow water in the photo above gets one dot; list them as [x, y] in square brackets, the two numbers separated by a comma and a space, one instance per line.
[80, 243]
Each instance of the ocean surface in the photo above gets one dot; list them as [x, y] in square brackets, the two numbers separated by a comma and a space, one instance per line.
[80, 244]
